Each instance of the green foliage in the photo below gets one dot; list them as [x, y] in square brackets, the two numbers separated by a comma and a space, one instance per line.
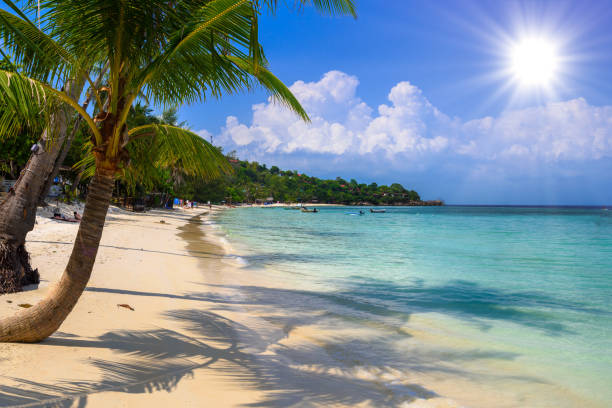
[17, 132]
[160, 156]
[169, 53]
[252, 181]
[6, 65]
[24, 104]
[14, 153]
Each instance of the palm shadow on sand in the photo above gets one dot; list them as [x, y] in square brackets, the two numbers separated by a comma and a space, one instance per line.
[160, 359]
[306, 375]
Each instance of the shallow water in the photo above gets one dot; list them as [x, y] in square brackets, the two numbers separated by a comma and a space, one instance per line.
[513, 304]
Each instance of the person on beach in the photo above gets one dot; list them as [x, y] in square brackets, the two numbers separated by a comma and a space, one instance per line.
[57, 215]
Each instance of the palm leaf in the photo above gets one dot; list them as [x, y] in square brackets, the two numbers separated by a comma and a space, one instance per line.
[342, 7]
[25, 103]
[87, 165]
[335, 6]
[26, 97]
[38, 54]
[178, 147]
[273, 85]
[194, 47]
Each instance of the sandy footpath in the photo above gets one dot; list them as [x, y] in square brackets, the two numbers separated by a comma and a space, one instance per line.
[203, 332]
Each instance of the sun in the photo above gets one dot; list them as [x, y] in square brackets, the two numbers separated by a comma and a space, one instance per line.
[534, 62]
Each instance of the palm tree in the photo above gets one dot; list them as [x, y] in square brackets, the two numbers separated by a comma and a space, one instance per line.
[22, 39]
[19, 207]
[170, 53]
[40, 57]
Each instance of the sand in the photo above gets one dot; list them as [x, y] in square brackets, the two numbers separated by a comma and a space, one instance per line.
[200, 333]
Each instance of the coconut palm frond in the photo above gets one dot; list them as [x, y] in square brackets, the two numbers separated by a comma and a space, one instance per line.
[87, 165]
[30, 99]
[175, 146]
[339, 7]
[219, 27]
[38, 55]
[273, 85]
[25, 103]
[346, 7]
[143, 169]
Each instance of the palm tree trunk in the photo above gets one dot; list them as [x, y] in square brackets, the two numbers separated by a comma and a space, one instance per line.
[19, 208]
[70, 138]
[40, 321]
[18, 216]
[59, 161]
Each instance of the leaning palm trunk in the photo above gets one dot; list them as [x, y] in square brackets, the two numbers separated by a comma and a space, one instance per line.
[142, 62]
[19, 208]
[19, 212]
[69, 139]
[40, 321]
[60, 160]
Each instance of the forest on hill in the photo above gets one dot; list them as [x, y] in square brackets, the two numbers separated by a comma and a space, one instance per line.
[252, 182]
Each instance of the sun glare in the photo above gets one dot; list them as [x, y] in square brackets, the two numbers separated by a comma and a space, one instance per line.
[534, 62]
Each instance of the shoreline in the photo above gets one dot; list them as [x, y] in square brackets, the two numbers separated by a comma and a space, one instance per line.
[208, 330]
[428, 203]
[437, 361]
[203, 332]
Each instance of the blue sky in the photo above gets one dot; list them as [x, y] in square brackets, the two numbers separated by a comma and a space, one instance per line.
[458, 129]
[420, 93]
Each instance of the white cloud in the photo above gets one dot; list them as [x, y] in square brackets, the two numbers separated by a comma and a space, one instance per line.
[342, 123]
[571, 130]
[409, 125]
[409, 132]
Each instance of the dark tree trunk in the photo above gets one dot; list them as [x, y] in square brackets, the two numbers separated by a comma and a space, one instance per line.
[43, 319]
[18, 216]
[18, 209]
[77, 180]
[68, 142]
[58, 162]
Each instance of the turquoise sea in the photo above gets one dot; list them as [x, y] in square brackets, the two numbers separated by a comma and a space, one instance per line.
[514, 303]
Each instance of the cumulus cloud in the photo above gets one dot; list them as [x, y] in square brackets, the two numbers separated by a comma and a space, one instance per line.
[571, 130]
[408, 134]
[342, 123]
[410, 125]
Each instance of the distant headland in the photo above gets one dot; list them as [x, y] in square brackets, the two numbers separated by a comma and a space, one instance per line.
[255, 183]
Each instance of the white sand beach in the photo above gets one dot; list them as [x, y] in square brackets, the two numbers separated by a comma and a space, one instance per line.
[188, 341]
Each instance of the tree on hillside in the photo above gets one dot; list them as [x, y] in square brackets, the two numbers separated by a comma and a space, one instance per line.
[167, 52]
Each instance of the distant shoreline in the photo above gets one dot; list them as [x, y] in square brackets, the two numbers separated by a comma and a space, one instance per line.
[569, 207]
[432, 203]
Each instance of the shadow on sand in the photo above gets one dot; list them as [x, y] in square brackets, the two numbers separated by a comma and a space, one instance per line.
[160, 359]
[304, 374]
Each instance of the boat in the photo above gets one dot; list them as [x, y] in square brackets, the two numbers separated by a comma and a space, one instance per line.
[382, 210]
[295, 207]
[354, 213]
[314, 210]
